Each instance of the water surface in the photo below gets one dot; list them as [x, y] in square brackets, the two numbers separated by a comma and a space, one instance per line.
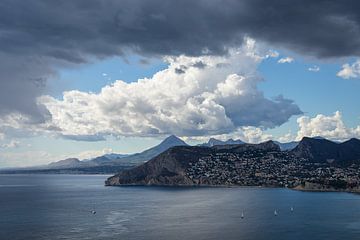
[59, 207]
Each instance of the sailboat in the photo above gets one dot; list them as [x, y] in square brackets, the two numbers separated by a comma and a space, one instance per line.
[242, 215]
[93, 211]
[275, 213]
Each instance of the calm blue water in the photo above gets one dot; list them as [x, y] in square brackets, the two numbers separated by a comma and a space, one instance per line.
[58, 207]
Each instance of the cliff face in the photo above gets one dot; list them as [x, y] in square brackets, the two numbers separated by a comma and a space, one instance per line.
[169, 168]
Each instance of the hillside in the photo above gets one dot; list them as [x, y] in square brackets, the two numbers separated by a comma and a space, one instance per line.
[170, 167]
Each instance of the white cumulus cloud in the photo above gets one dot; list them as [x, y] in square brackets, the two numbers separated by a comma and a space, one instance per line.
[330, 127]
[314, 68]
[247, 134]
[350, 71]
[286, 60]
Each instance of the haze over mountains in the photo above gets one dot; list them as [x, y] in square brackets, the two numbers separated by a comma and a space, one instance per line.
[138, 158]
[317, 148]
[108, 163]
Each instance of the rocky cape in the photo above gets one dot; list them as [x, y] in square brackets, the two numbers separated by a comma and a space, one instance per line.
[169, 168]
[304, 167]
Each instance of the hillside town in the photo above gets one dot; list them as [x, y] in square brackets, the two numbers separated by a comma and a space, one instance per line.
[271, 169]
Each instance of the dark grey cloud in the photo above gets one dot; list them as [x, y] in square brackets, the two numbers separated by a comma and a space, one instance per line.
[38, 37]
[88, 138]
[181, 69]
[199, 64]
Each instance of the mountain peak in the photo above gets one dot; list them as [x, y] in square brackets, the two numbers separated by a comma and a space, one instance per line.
[214, 141]
[173, 140]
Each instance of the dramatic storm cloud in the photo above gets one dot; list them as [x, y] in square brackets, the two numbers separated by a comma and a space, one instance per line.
[211, 95]
[39, 37]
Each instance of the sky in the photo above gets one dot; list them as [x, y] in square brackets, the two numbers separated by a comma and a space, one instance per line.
[85, 78]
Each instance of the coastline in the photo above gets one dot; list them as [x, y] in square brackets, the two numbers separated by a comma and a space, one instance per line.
[297, 188]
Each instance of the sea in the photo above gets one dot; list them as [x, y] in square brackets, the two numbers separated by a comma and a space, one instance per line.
[49, 207]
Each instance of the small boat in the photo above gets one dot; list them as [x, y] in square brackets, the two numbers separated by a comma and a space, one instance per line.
[93, 212]
[242, 215]
[292, 209]
[275, 213]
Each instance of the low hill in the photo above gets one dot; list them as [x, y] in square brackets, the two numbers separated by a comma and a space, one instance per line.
[66, 163]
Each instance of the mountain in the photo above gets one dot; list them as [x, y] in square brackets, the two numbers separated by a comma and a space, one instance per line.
[113, 156]
[213, 142]
[108, 163]
[323, 150]
[286, 146]
[169, 168]
[93, 162]
[114, 159]
[146, 155]
[66, 163]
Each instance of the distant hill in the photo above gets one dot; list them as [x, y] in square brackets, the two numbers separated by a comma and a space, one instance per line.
[323, 150]
[213, 142]
[103, 160]
[66, 163]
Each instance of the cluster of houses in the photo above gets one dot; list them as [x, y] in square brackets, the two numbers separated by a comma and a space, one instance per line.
[269, 168]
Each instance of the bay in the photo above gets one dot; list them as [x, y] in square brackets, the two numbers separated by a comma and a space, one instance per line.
[59, 207]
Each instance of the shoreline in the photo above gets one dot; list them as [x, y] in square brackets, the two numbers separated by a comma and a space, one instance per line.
[297, 188]
[318, 188]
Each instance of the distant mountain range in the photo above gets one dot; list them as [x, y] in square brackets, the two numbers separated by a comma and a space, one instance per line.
[113, 162]
[108, 163]
[213, 142]
[114, 159]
